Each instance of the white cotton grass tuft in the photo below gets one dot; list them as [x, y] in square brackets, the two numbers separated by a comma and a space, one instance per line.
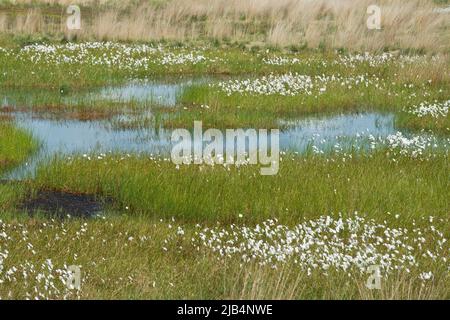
[435, 109]
[343, 244]
[131, 57]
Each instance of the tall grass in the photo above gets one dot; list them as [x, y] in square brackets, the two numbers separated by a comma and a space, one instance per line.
[15, 145]
[265, 111]
[321, 23]
[304, 187]
[123, 258]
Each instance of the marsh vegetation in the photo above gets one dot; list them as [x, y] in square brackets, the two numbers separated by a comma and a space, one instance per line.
[85, 145]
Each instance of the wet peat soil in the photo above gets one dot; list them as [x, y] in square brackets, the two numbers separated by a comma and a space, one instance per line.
[60, 204]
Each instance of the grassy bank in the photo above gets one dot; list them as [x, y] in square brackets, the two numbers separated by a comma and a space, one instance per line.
[239, 88]
[15, 146]
[73, 66]
[123, 258]
[302, 188]
[157, 238]
[222, 109]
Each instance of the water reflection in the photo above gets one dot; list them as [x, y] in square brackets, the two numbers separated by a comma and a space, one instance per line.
[72, 136]
[163, 92]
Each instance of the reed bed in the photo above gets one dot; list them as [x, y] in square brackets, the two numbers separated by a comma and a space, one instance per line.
[417, 24]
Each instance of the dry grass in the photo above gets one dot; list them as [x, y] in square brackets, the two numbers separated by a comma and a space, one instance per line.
[257, 283]
[331, 23]
[288, 282]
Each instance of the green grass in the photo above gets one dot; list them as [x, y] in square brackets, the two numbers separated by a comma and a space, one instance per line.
[15, 146]
[123, 258]
[76, 76]
[439, 125]
[24, 70]
[303, 188]
[396, 86]
[135, 252]
[261, 111]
